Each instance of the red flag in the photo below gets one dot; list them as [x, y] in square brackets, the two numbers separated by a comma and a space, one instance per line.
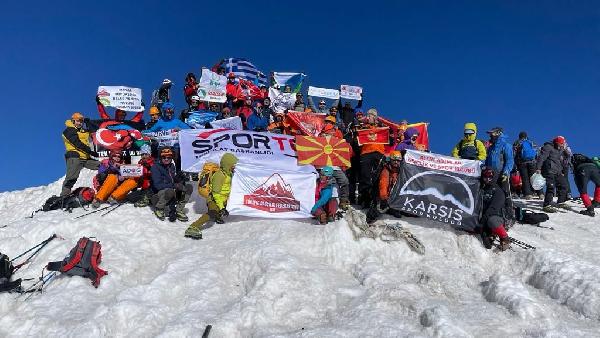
[321, 151]
[374, 136]
[423, 139]
[310, 124]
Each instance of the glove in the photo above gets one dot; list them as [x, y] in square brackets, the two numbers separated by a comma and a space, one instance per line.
[224, 212]
[383, 204]
[504, 178]
[93, 154]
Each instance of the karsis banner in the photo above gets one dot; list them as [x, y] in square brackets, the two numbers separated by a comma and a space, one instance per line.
[198, 146]
[440, 188]
[258, 191]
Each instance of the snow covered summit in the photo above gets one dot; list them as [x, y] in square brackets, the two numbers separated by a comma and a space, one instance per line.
[274, 278]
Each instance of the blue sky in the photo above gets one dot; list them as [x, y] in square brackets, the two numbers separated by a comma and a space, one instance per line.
[523, 65]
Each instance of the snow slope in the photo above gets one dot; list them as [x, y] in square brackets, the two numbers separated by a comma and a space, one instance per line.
[273, 278]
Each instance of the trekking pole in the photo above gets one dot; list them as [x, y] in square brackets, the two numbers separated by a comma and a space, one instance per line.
[20, 219]
[92, 212]
[521, 244]
[206, 331]
[39, 247]
[111, 210]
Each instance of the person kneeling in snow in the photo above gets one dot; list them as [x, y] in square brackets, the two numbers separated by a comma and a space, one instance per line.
[113, 186]
[492, 219]
[325, 206]
[220, 187]
[168, 185]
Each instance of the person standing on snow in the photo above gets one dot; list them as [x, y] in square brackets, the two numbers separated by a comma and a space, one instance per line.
[550, 164]
[370, 157]
[469, 147]
[299, 104]
[585, 170]
[78, 153]
[220, 188]
[500, 159]
[525, 155]
[191, 88]
[169, 188]
[492, 219]
[325, 207]
[258, 120]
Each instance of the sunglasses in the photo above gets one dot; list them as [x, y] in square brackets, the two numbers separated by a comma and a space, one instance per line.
[167, 158]
[414, 137]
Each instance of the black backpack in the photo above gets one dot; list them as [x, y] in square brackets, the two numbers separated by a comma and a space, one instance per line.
[82, 261]
[77, 198]
[529, 217]
[6, 272]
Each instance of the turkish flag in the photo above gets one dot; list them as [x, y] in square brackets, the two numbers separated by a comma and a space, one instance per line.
[374, 136]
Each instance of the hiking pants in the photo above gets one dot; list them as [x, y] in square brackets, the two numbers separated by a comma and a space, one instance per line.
[74, 166]
[111, 187]
[526, 170]
[555, 183]
[583, 176]
[342, 182]
[210, 215]
[162, 198]
[330, 208]
[368, 164]
[353, 175]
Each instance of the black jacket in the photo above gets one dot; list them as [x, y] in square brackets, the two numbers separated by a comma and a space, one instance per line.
[493, 201]
[551, 160]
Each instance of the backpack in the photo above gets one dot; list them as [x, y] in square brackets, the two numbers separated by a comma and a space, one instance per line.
[529, 217]
[577, 159]
[528, 152]
[204, 186]
[82, 261]
[6, 272]
[77, 198]
[470, 152]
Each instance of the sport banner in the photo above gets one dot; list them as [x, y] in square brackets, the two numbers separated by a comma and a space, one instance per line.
[164, 138]
[234, 123]
[333, 94]
[211, 87]
[374, 136]
[258, 191]
[322, 151]
[351, 92]
[281, 101]
[440, 188]
[200, 145]
[120, 97]
[310, 124]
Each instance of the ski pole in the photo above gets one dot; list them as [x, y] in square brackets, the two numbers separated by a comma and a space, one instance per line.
[94, 211]
[521, 244]
[111, 210]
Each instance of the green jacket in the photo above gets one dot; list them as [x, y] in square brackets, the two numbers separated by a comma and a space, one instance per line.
[221, 180]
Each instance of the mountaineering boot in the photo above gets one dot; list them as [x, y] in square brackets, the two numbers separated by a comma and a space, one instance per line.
[504, 244]
[143, 202]
[487, 240]
[549, 209]
[595, 204]
[528, 197]
[194, 231]
[330, 218]
[160, 214]
[112, 201]
[564, 206]
[323, 218]
[219, 218]
[344, 203]
[180, 212]
[588, 212]
[96, 204]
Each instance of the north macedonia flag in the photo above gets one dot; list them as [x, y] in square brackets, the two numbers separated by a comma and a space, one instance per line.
[321, 151]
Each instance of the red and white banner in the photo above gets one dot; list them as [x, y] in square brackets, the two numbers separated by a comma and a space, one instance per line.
[310, 124]
[200, 146]
[443, 163]
[271, 193]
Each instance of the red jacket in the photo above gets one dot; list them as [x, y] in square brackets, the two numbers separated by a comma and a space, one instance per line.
[103, 115]
[146, 179]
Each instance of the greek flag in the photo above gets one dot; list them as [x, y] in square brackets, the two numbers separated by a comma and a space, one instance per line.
[245, 69]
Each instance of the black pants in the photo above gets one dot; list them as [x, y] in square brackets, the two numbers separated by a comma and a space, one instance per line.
[368, 164]
[555, 183]
[353, 174]
[584, 175]
[526, 170]
[504, 184]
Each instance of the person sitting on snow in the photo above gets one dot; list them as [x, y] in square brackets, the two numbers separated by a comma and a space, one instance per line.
[492, 219]
[169, 188]
[220, 187]
[112, 186]
[325, 206]
[78, 152]
[145, 181]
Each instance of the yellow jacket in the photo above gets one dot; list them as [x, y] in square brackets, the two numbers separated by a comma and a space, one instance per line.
[221, 180]
[77, 141]
[469, 147]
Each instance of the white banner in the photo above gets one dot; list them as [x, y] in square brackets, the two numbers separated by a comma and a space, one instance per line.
[165, 138]
[131, 170]
[351, 92]
[199, 146]
[443, 163]
[271, 193]
[120, 97]
[281, 101]
[333, 94]
[212, 87]
[234, 123]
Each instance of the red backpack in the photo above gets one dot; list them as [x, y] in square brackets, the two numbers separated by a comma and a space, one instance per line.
[83, 261]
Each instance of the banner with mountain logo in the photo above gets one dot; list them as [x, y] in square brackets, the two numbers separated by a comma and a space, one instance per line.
[440, 188]
[272, 193]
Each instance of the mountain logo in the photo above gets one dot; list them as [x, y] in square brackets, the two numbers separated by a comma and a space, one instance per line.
[437, 184]
[273, 196]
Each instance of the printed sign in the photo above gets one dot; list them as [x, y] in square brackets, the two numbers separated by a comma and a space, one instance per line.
[333, 94]
[271, 193]
[128, 170]
[234, 123]
[440, 188]
[120, 97]
[164, 138]
[351, 92]
[212, 87]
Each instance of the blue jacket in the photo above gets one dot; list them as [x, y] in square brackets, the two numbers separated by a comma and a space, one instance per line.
[258, 122]
[163, 177]
[500, 156]
[164, 124]
[324, 196]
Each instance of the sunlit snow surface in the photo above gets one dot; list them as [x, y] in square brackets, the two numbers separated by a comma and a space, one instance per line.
[276, 278]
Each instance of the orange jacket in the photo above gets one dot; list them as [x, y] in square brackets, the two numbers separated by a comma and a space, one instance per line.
[330, 130]
[371, 148]
[387, 179]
